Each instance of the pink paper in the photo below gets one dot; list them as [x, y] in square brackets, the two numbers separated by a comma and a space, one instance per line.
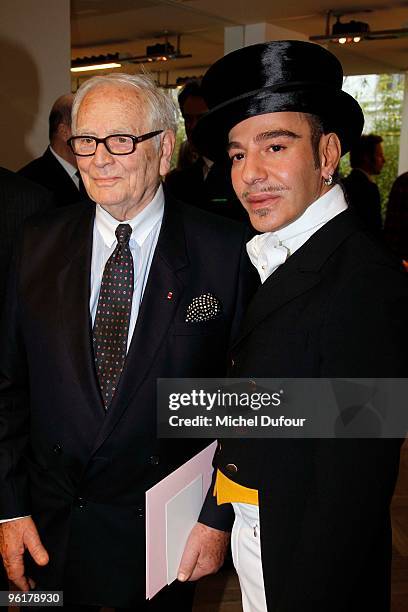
[156, 499]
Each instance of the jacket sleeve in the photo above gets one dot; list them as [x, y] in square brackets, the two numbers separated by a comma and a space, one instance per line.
[346, 516]
[219, 517]
[14, 406]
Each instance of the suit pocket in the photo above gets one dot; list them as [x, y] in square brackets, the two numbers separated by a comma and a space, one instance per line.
[203, 328]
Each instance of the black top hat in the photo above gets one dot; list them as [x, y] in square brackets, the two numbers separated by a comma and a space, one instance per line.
[285, 75]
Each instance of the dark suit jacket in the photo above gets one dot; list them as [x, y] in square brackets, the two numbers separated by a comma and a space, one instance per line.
[396, 220]
[213, 194]
[19, 199]
[82, 473]
[337, 308]
[364, 199]
[47, 171]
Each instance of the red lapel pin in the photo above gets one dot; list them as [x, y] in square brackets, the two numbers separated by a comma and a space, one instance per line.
[170, 295]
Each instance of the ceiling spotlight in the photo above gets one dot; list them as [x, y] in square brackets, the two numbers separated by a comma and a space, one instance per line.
[95, 67]
[159, 52]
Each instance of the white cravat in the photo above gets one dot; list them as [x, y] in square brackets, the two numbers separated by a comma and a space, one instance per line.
[270, 250]
[267, 253]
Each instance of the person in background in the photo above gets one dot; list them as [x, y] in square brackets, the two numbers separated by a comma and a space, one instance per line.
[19, 199]
[57, 168]
[311, 522]
[396, 218]
[192, 107]
[366, 160]
[198, 180]
[104, 300]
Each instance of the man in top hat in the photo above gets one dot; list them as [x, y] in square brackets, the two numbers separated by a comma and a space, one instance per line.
[311, 516]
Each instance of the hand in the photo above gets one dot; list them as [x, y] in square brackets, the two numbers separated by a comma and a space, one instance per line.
[15, 537]
[204, 552]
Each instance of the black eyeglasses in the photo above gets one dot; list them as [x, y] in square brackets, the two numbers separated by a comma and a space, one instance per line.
[116, 144]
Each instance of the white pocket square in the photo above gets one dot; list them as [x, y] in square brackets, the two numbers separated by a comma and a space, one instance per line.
[203, 308]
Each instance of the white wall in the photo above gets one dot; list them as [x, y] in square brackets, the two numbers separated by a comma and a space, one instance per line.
[236, 37]
[35, 56]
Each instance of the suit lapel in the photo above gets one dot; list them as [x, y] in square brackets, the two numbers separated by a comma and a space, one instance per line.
[61, 179]
[298, 274]
[74, 283]
[155, 315]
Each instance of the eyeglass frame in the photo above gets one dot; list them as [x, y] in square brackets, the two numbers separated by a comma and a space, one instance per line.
[135, 140]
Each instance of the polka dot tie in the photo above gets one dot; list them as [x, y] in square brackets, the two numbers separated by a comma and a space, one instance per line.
[110, 332]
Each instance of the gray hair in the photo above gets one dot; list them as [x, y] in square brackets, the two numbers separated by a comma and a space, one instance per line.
[161, 110]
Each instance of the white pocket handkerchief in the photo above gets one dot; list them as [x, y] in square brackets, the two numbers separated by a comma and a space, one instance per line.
[203, 308]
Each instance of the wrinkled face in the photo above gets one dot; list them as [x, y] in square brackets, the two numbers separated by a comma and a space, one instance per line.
[273, 168]
[378, 160]
[122, 184]
[194, 108]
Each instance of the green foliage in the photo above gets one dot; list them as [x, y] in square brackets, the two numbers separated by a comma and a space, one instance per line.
[180, 137]
[383, 116]
[181, 132]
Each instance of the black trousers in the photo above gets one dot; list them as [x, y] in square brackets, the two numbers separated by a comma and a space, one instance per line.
[178, 596]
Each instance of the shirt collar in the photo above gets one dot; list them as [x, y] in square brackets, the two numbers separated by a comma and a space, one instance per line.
[365, 173]
[142, 224]
[64, 163]
[316, 214]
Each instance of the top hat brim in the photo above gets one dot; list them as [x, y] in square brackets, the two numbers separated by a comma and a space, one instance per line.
[339, 112]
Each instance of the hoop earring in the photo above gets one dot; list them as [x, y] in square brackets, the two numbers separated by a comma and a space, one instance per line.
[329, 180]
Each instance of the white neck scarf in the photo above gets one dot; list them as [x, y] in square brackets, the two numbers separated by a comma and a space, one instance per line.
[270, 250]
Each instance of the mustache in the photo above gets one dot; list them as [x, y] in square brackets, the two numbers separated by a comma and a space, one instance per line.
[265, 189]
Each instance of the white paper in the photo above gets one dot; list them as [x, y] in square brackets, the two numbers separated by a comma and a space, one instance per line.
[182, 512]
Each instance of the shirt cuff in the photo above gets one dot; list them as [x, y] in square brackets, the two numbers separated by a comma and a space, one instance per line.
[13, 519]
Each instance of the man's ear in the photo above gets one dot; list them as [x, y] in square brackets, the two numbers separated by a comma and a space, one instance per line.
[330, 153]
[64, 131]
[166, 150]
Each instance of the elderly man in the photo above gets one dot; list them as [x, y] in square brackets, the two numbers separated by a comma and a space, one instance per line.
[312, 529]
[100, 307]
[57, 168]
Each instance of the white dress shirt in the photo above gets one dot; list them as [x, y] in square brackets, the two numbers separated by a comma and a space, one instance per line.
[71, 170]
[145, 232]
[270, 250]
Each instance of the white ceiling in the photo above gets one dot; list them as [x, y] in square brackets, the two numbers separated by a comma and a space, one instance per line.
[128, 26]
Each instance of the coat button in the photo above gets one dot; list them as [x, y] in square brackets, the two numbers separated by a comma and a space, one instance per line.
[232, 468]
[57, 449]
[154, 460]
[140, 512]
[80, 503]
[232, 363]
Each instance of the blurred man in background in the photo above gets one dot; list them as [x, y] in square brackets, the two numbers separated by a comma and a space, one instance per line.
[367, 160]
[198, 180]
[57, 168]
